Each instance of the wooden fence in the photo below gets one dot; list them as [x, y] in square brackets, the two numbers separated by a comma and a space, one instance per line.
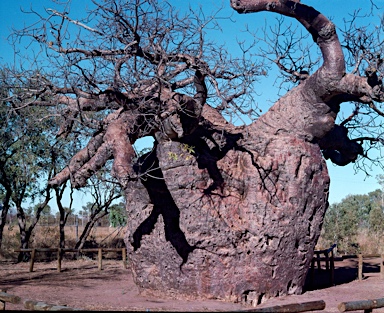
[60, 253]
[326, 255]
[361, 263]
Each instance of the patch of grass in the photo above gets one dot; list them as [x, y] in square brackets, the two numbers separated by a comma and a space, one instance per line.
[48, 237]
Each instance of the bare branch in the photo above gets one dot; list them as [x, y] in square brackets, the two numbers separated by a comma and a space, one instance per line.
[64, 16]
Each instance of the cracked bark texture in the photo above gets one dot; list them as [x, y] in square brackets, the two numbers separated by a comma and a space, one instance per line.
[239, 221]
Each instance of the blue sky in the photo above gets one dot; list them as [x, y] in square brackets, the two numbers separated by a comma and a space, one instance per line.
[344, 181]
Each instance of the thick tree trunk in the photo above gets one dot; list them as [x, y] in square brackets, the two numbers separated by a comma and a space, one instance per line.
[240, 219]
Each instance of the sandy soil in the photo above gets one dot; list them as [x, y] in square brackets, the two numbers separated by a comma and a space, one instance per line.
[81, 285]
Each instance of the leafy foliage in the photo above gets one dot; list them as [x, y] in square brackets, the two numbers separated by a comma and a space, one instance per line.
[355, 214]
[118, 215]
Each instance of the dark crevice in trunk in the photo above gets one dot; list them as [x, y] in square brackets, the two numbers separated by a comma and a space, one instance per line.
[207, 157]
[163, 204]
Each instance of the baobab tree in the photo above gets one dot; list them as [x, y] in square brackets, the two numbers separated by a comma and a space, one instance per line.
[215, 210]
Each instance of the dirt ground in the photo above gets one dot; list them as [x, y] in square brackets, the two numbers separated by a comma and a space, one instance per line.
[81, 285]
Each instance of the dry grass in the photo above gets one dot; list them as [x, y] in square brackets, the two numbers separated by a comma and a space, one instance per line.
[370, 243]
[366, 243]
[48, 237]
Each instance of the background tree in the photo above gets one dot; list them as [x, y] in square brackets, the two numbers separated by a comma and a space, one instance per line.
[380, 179]
[5, 186]
[60, 154]
[220, 210]
[64, 212]
[23, 158]
[33, 145]
[356, 216]
[47, 211]
[103, 194]
[376, 220]
[117, 215]
[341, 223]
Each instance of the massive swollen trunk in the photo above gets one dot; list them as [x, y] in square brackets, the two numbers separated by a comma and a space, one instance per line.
[238, 217]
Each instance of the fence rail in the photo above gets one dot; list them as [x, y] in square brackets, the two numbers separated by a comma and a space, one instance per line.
[292, 307]
[31, 305]
[366, 305]
[361, 258]
[61, 251]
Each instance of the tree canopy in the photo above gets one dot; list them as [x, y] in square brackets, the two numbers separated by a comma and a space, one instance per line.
[149, 60]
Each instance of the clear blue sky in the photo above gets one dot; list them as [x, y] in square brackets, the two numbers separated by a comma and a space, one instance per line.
[344, 181]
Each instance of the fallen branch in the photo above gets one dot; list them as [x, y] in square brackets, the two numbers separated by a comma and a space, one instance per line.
[293, 307]
[366, 305]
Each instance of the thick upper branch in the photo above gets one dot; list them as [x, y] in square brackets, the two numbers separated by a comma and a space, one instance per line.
[322, 30]
[360, 89]
[112, 141]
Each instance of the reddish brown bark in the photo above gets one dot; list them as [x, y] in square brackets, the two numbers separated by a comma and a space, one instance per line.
[238, 222]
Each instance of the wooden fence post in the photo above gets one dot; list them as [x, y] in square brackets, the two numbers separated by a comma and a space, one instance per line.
[59, 259]
[360, 268]
[124, 256]
[100, 257]
[318, 260]
[326, 254]
[32, 261]
[312, 271]
[332, 265]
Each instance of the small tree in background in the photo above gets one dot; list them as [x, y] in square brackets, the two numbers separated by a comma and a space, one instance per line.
[104, 192]
[118, 215]
[341, 227]
[26, 138]
[355, 224]
[376, 228]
